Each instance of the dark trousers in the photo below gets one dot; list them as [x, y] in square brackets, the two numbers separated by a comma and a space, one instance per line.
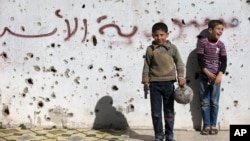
[161, 97]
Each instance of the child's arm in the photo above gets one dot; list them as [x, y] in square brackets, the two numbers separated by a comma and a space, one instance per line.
[210, 75]
[218, 78]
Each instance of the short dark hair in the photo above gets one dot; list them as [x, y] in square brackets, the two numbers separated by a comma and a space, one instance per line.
[161, 26]
[214, 23]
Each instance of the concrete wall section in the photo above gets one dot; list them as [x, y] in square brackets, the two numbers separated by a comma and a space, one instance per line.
[78, 63]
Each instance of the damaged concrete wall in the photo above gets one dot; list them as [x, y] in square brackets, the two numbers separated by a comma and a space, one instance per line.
[78, 63]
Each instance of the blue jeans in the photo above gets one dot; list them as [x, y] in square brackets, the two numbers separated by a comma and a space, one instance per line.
[209, 98]
[161, 93]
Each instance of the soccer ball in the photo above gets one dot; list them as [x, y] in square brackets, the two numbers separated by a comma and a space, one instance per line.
[183, 95]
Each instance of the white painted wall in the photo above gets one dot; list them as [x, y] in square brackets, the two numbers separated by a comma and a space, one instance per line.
[55, 70]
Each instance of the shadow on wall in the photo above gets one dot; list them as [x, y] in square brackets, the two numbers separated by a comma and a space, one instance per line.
[192, 74]
[107, 117]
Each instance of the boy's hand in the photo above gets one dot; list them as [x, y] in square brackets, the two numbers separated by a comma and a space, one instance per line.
[181, 81]
[146, 85]
[218, 78]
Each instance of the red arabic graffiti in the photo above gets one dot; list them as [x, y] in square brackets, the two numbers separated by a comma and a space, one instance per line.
[101, 30]
[6, 29]
[72, 32]
[182, 24]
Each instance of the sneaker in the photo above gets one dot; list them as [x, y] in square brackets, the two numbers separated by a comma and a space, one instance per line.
[213, 131]
[205, 131]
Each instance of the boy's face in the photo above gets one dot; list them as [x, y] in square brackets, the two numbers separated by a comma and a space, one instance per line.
[216, 32]
[160, 36]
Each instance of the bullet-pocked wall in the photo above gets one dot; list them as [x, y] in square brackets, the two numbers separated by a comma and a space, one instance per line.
[78, 63]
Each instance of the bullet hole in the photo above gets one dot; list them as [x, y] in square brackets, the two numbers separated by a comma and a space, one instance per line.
[66, 73]
[94, 40]
[37, 58]
[22, 28]
[158, 12]
[212, 2]
[12, 18]
[47, 118]
[117, 75]
[4, 44]
[47, 100]
[249, 18]
[52, 69]
[65, 61]
[37, 68]
[4, 55]
[34, 98]
[235, 22]
[6, 111]
[26, 58]
[227, 108]
[52, 45]
[143, 56]
[25, 90]
[131, 100]
[236, 103]
[72, 58]
[91, 113]
[70, 115]
[114, 88]
[100, 70]
[130, 108]
[30, 55]
[222, 89]
[83, 6]
[183, 22]
[248, 1]
[39, 23]
[241, 66]
[104, 77]
[77, 80]
[23, 94]
[193, 4]
[117, 68]
[90, 66]
[29, 81]
[40, 104]
[226, 73]
[50, 110]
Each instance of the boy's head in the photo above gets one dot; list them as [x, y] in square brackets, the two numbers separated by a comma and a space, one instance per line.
[160, 32]
[215, 29]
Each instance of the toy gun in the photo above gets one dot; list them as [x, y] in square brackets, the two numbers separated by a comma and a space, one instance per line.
[145, 92]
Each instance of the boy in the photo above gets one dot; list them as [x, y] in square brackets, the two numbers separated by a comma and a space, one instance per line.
[212, 59]
[161, 63]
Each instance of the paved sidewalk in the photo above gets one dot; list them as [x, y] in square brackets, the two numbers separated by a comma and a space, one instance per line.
[17, 134]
